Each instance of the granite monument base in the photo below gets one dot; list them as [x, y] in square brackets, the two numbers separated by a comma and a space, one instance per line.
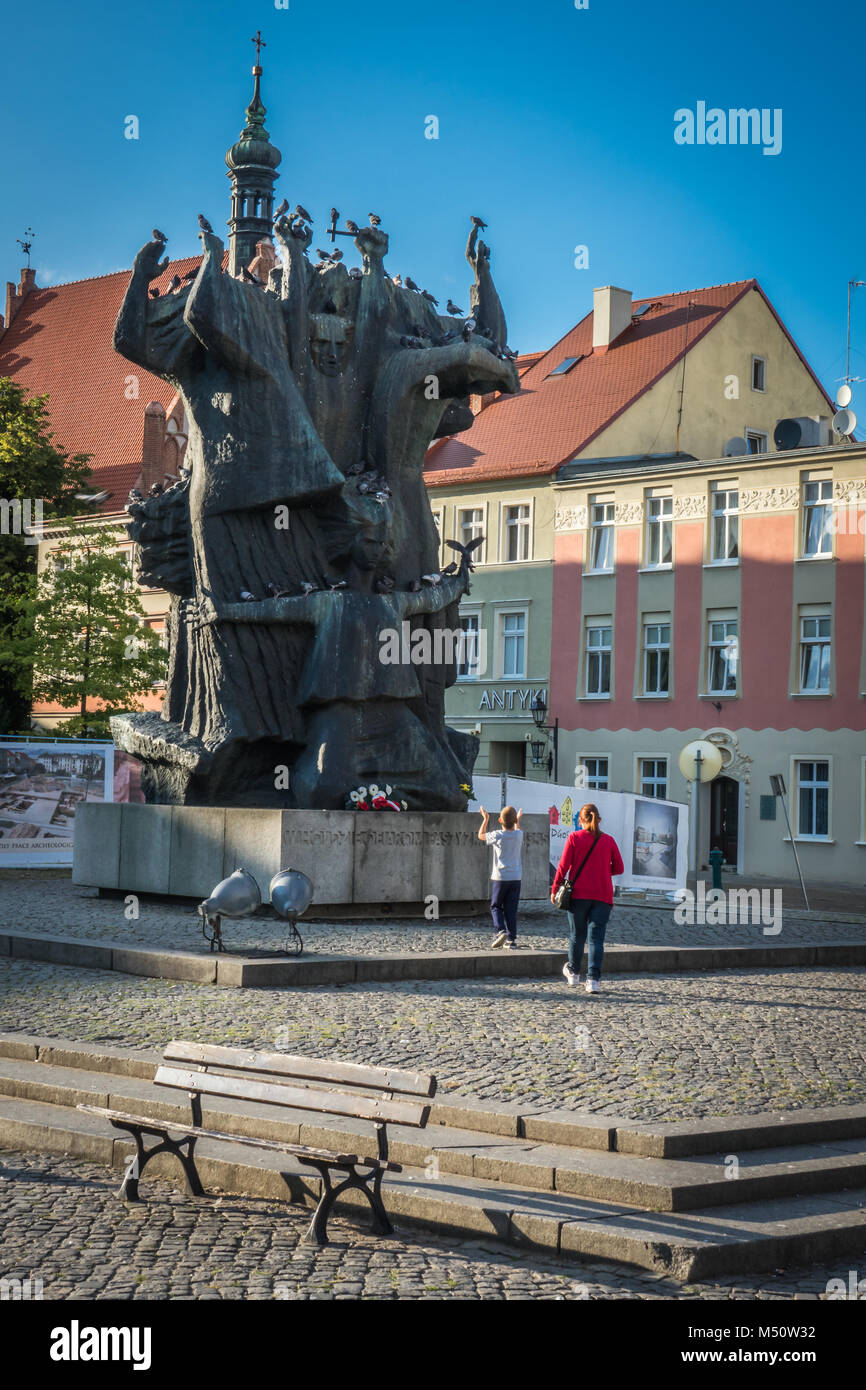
[364, 858]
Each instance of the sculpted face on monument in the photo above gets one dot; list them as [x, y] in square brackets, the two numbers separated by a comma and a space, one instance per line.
[274, 630]
[330, 337]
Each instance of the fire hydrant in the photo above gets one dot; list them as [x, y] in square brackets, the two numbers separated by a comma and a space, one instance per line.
[717, 859]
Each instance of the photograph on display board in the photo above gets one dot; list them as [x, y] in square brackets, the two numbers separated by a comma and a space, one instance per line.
[654, 842]
[40, 788]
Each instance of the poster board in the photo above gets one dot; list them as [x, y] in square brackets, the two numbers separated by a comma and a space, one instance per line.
[41, 784]
[653, 835]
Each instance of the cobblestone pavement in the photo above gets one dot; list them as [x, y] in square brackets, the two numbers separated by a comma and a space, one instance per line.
[61, 1222]
[670, 1046]
[52, 904]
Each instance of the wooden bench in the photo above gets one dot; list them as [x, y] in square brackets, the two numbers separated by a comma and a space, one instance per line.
[380, 1095]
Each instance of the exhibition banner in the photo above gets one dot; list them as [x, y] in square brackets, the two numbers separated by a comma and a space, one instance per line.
[41, 784]
[653, 835]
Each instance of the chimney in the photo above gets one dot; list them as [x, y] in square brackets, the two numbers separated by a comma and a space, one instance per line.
[152, 467]
[611, 315]
[264, 261]
[15, 298]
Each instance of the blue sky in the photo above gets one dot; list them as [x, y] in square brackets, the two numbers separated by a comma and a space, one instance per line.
[555, 124]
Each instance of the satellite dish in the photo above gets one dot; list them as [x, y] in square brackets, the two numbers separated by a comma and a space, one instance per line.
[736, 447]
[844, 422]
[843, 396]
[787, 434]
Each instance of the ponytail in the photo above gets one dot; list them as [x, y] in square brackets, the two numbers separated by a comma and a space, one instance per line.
[589, 814]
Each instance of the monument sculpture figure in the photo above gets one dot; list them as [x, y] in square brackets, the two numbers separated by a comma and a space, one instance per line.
[302, 525]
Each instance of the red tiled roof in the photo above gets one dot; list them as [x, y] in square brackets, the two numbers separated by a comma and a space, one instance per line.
[551, 420]
[60, 344]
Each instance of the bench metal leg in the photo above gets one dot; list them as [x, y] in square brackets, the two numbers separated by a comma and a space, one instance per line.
[369, 1183]
[183, 1149]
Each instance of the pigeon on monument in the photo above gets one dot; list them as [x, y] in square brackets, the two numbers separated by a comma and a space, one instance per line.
[352, 226]
[303, 214]
[337, 255]
[308, 588]
[159, 236]
[431, 299]
[277, 592]
[249, 277]
[282, 209]
[452, 309]
[375, 219]
[247, 597]
[410, 283]
[356, 273]
[191, 274]
[156, 490]
[174, 283]
[396, 279]
[465, 551]
[203, 223]
[154, 294]
[477, 222]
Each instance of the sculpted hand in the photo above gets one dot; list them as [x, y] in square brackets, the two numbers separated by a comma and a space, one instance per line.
[148, 262]
[372, 243]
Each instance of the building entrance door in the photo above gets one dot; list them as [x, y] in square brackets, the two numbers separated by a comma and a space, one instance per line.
[725, 817]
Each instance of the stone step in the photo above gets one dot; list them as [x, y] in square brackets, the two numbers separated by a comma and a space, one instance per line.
[234, 970]
[735, 1239]
[572, 1129]
[640, 1181]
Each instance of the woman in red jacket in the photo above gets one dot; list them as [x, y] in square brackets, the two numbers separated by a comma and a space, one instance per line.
[589, 860]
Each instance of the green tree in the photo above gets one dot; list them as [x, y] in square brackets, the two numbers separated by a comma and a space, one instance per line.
[33, 469]
[82, 632]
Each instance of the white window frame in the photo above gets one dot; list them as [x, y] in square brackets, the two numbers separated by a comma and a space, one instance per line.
[439, 523]
[504, 611]
[597, 624]
[724, 617]
[761, 390]
[814, 613]
[655, 780]
[862, 840]
[601, 501]
[479, 556]
[762, 438]
[656, 647]
[730, 515]
[653, 526]
[470, 612]
[528, 502]
[824, 481]
[593, 783]
[796, 762]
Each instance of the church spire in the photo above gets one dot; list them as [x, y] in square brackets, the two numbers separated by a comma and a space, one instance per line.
[252, 168]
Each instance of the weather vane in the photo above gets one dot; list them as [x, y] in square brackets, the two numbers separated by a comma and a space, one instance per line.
[26, 242]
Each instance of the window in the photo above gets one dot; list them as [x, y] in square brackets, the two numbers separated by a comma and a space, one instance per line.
[470, 525]
[517, 524]
[813, 800]
[512, 644]
[756, 441]
[591, 773]
[759, 373]
[817, 517]
[653, 777]
[566, 365]
[468, 648]
[815, 654]
[656, 658]
[601, 536]
[659, 531]
[725, 521]
[598, 655]
[722, 656]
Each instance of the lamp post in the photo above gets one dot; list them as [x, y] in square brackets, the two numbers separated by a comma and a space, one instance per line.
[780, 791]
[538, 710]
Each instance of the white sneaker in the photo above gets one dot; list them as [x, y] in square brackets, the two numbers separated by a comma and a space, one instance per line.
[510, 945]
[592, 986]
[569, 974]
[500, 939]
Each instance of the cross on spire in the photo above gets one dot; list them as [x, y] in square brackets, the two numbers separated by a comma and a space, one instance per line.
[260, 44]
